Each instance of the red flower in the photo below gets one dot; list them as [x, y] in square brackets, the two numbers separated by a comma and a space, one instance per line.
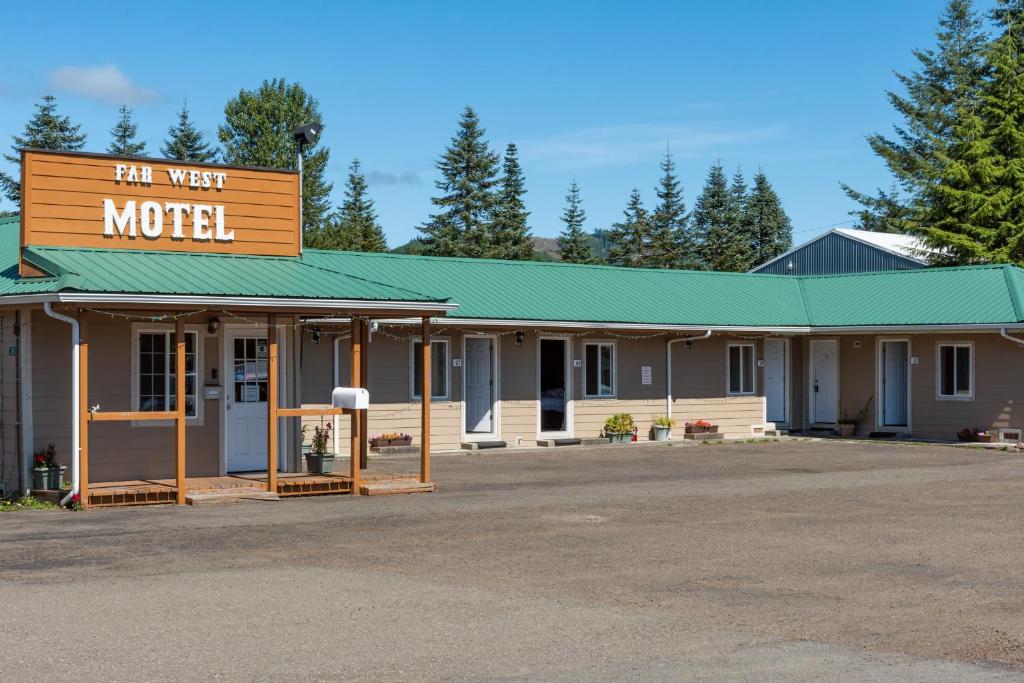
[41, 459]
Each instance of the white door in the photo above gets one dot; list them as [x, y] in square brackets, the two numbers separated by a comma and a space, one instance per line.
[246, 401]
[479, 373]
[895, 355]
[776, 380]
[824, 382]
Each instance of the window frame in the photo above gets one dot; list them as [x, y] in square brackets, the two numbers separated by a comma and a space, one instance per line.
[969, 345]
[753, 369]
[446, 341]
[138, 329]
[615, 368]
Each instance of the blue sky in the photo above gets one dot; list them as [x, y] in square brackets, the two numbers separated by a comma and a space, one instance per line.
[588, 90]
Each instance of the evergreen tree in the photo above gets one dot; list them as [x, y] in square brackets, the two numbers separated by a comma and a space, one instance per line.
[353, 226]
[629, 242]
[257, 131]
[45, 130]
[185, 142]
[974, 211]
[671, 243]
[772, 232]
[740, 253]
[951, 73]
[509, 234]
[469, 171]
[573, 243]
[884, 212]
[123, 142]
[710, 221]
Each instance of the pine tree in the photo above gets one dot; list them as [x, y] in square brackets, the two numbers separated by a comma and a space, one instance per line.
[257, 131]
[883, 212]
[45, 130]
[740, 253]
[710, 221]
[354, 226]
[573, 243]
[509, 234]
[629, 242]
[974, 210]
[951, 73]
[123, 142]
[469, 171]
[185, 142]
[772, 232]
[671, 244]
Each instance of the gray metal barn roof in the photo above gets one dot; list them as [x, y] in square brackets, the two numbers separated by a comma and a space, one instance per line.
[844, 250]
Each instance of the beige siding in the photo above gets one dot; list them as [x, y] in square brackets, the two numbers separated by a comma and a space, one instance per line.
[10, 452]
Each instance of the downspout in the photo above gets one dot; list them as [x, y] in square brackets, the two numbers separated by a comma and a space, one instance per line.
[76, 446]
[1004, 335]
[668, 369]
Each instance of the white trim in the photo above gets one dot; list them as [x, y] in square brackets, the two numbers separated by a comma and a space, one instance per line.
[879, 388]
[753, 369]
[811, 418]
[246, 301]
[570, 422]
[615, 369]
[413, 398]
[787, 378]
[939, 396]
[25, 377]
[139, 328]
[495, 432]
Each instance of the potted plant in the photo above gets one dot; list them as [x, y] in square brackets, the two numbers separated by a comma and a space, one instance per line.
[701, 427]
[974, 435]
[47, 474]
[619, 428]
[318, 460]
[390, 439]
[847, 424]
[661, 426]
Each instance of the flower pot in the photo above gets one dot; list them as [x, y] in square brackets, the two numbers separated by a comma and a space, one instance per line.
[57, 476]
[378, 443]
[320, 464]
[846, 428]
[661, 433]
[701, 429]
[42, 478]
[619, 437]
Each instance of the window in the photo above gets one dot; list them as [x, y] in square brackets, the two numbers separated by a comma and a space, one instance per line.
[438, 369]
[155, 355]
[741, 369]
[600, 368]
[955, 372]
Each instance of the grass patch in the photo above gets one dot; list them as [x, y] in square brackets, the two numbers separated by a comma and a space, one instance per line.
[25, 503]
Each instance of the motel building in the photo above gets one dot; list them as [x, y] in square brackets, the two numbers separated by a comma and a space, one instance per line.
[165, 330]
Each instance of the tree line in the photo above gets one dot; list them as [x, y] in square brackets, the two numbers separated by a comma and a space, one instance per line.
[957, 155]
[480, 207]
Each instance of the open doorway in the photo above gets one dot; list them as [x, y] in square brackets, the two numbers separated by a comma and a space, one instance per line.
[553, 386]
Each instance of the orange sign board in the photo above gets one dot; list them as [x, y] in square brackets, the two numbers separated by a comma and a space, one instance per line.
[73, 199]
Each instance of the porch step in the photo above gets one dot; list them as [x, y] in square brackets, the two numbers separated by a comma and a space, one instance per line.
[776, 432]
[223, 496]
[575, 441]
[395, 487]
[481, 445]
[706, 436]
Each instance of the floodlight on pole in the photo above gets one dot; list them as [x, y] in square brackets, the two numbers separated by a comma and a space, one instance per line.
[304, 135]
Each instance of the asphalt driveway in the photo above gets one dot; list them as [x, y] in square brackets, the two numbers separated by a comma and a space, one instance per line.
[787, 561]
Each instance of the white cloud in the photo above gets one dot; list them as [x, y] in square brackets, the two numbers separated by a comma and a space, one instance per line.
[631, 143]
[390, 178]
[105, 83]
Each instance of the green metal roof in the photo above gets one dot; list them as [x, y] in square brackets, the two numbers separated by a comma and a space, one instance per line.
[524, 290]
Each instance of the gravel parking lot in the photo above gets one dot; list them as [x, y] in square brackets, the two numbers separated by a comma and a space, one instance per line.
[790, 560]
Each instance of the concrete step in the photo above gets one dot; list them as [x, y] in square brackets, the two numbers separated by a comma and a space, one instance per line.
[481, 445]
[395, 487]
[776, 432]
[235, 495]
[706, 436]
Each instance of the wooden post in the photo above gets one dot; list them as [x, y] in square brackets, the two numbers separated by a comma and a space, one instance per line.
[271, 402]
[83, 409]
[179, 404]
[364, 382]
[425, 405]
[355, 380]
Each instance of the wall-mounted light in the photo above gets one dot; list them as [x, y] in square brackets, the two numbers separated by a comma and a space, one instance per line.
[519, 337]
[316, 335]
[213, 325]
[688, 344]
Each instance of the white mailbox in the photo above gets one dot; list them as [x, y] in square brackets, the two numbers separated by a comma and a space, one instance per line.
[352, 398]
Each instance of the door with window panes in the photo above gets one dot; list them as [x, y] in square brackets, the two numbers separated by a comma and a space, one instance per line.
[246, 401]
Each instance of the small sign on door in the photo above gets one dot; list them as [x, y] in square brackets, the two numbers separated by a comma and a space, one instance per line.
[645, 374]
